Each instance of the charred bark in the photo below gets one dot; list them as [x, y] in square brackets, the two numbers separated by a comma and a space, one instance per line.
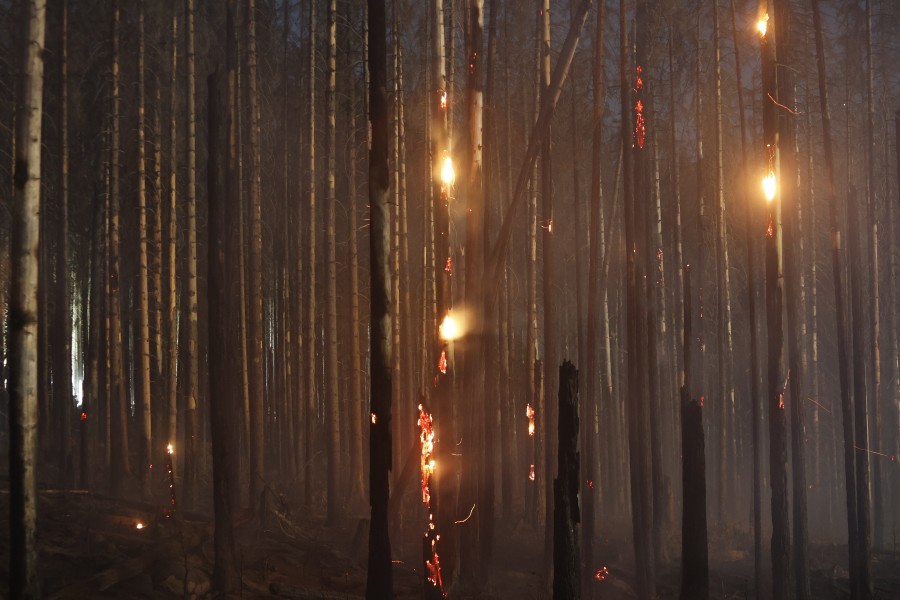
[566, 486]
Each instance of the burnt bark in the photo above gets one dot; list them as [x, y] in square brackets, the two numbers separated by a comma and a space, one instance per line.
[566, 487]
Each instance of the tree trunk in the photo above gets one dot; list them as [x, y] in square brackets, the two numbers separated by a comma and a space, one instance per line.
[357, 406]
[379, 582]
[24, 580]
[566, 487]
[310, 370]
[694, 541]
[146, 421]
[191, 431]
[257, 377]
[172, 303]
[840, 311]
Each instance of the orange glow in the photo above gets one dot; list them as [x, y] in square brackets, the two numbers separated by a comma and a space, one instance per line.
[450, 329]
[426, 437]
[374, 419]
[448, 174]
[769, 186]
[139, 525]
[84, 416]
[170, 449]
[443, 99]
[601, 574]
[442, 364]
[529, 412]
[531, 473]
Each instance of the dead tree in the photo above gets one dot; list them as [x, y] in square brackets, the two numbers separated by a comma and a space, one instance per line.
[23, 309]
[566, 486]
[379, 582]
[309, 409]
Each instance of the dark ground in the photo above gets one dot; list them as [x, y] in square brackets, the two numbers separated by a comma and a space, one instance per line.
[91, 548]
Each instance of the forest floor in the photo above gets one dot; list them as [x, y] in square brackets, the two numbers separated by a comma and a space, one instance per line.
[91, 547]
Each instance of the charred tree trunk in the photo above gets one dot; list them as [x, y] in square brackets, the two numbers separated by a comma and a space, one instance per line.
[379, 582]
[566, 487]
[23, 309]
[312, 232]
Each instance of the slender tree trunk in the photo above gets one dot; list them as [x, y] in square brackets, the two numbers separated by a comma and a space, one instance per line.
[172, 300]
[190, 422]
[566, 486]
[379, 582]
[310, 392]
[120, 468]
[257, 377]
[840, 311]
[24, 580]
[357, 407]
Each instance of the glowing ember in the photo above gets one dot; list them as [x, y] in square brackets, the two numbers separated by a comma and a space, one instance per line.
[170, 449]
[374, 419]
[763, 25]
[434, 568]
[781, 401]
[448, 175]
[139, 525]
[426, 436]
[529, 412]
[769, 185]
[531, 473]
[84, 416]
[443, 99]
[442, 367]
[601, 574]
[450, 329]
[449, 266]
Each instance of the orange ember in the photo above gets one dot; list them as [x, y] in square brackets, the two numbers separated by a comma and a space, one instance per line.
[601, 574]
[426, 436]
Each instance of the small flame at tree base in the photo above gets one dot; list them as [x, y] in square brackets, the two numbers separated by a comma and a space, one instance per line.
[601, 574]
[531, 473]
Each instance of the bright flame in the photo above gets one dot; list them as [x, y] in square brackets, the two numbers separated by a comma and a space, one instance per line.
[450, 329]
[762, 25]
[529, 412]
[442, 363]
[768, 184]
[426, 436]
[531, 473]
[448, 175]
[444, 100]
[170, 449]
[139, 525]
[374, 419]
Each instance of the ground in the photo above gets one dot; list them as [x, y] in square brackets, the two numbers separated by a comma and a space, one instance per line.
[91, 548]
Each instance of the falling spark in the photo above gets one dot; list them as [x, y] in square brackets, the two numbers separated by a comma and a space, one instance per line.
[531, 473]
[449, 329]
[529, 412]
[768, 184]
[601, 574]
[469, 516]
[763, 25]
[448, 175]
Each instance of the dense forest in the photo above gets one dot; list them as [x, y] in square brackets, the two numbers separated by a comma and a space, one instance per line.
[332, 299]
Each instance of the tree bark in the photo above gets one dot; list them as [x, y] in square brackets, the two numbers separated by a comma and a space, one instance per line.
[566, 488]
[172, 300]
[24, 580]
[379, 582]
[312, 232]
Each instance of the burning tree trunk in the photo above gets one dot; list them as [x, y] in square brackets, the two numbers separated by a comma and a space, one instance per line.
[379, 582]
[221, 171]
[694, 542]
[566, 511]
[23, 310]
[840, 311]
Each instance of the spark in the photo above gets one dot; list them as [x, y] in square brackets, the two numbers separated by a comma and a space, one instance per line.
[819, 405]
[469, 516]
[601, 574]
[763, 25]
[780, 105]
[871, 451]
[769, 186]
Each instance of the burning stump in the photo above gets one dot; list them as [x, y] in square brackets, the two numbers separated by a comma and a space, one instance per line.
[566, 514]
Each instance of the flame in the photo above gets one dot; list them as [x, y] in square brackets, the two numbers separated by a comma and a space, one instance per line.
[763, 25]
[170, 449]
[442, 367]
[531, 473]
[449, 266]
[529, 412]
[443, 99]
[434, 567]
[84, 416]
[426, 436]
[448, 175]
[601, 574]
[139, 525]
[374, 419]
[450, 329]
[769, 186]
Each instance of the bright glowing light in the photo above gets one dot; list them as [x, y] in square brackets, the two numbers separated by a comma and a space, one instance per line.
[762, 25]
[139, 525]
[768, 184]
[374, 419]
[426, 437]
[170, 448]
[448, 175]
[531, 473]
[444, 100]
[450, 329]
[529, 412]
[601, 574]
